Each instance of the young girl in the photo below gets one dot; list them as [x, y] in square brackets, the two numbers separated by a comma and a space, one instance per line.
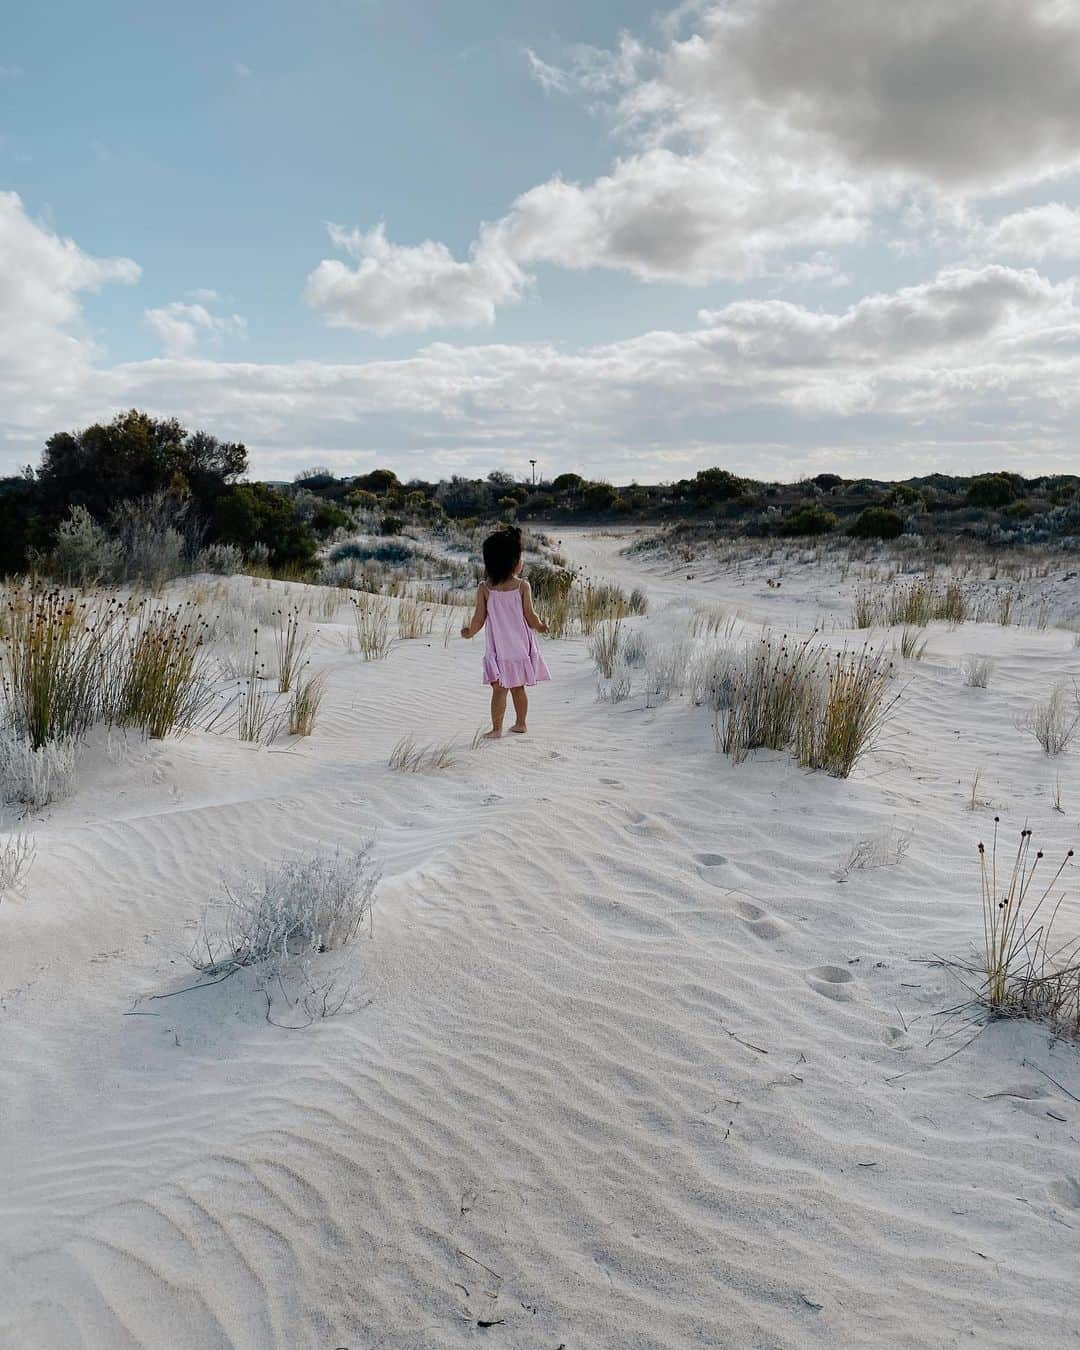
[504, 603]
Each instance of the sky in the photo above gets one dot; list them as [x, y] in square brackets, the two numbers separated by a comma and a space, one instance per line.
[781, 236]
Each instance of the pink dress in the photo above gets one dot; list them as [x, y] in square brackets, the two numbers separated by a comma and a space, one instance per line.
[512, 656]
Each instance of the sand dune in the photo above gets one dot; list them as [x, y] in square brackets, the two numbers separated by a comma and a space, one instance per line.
[624, 1063]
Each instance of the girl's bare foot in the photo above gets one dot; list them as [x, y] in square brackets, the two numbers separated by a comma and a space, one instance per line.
[491, 735]
[520, 730]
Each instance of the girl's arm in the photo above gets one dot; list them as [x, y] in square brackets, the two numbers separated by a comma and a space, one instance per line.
[479, 614]
[531, 617]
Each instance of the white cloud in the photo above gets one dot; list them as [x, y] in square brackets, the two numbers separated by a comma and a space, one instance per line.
[1050, 231]
[981, 365]
[780, 128]
[973, 95]
[549, 78]
[985, 359]
[179, 326]
[663, 216]
[44, 348]
[396, 288]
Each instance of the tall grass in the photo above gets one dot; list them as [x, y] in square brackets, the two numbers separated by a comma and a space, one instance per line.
[54, 654]
[291, 647]
[604, 645]
[160, 684]
[1026, 971]
[598, 604]
[768, 692]
[371, 614]
[914, 604]
[667, 666]
[843, 712]
[712, 622]
[258, 719]
[305, 705]
[825, 708]
[569, 604]
[414, 620]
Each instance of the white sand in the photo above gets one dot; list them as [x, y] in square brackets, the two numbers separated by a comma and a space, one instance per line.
[636, 1070]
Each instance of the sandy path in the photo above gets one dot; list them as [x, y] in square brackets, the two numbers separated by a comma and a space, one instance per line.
[637, 1071]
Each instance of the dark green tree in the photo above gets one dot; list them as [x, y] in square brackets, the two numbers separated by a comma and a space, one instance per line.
[253, 513]
[135, 455]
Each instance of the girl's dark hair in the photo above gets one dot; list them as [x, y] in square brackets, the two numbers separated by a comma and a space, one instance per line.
[502, 553]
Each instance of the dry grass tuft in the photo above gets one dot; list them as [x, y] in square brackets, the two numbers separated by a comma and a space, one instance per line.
[305, 705]
[35, 778]
[409, 757]
[976, 671]
[881, 850]
[17, 854]
[1053, 721]
[913, 644]
[306, 906]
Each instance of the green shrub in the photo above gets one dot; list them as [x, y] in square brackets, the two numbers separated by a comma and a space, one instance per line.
[377, 481]
[248, 514]
[328, 518]
[993, 490]
[877, 522]
[599, 496]
[904, 495]
[717, 485]
[809, 519]
[391, 525]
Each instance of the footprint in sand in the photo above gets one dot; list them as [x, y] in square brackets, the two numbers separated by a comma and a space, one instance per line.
[710, 859]
[897, 1038]
[625, 919]
[833, 981]
[758, 920]
[647, 827]
[611, 782]
[1067, 1192]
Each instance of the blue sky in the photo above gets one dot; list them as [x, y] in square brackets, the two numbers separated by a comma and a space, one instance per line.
[773, 234]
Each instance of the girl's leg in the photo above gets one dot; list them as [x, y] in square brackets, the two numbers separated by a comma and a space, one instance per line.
[498, 711]
[521, 707]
